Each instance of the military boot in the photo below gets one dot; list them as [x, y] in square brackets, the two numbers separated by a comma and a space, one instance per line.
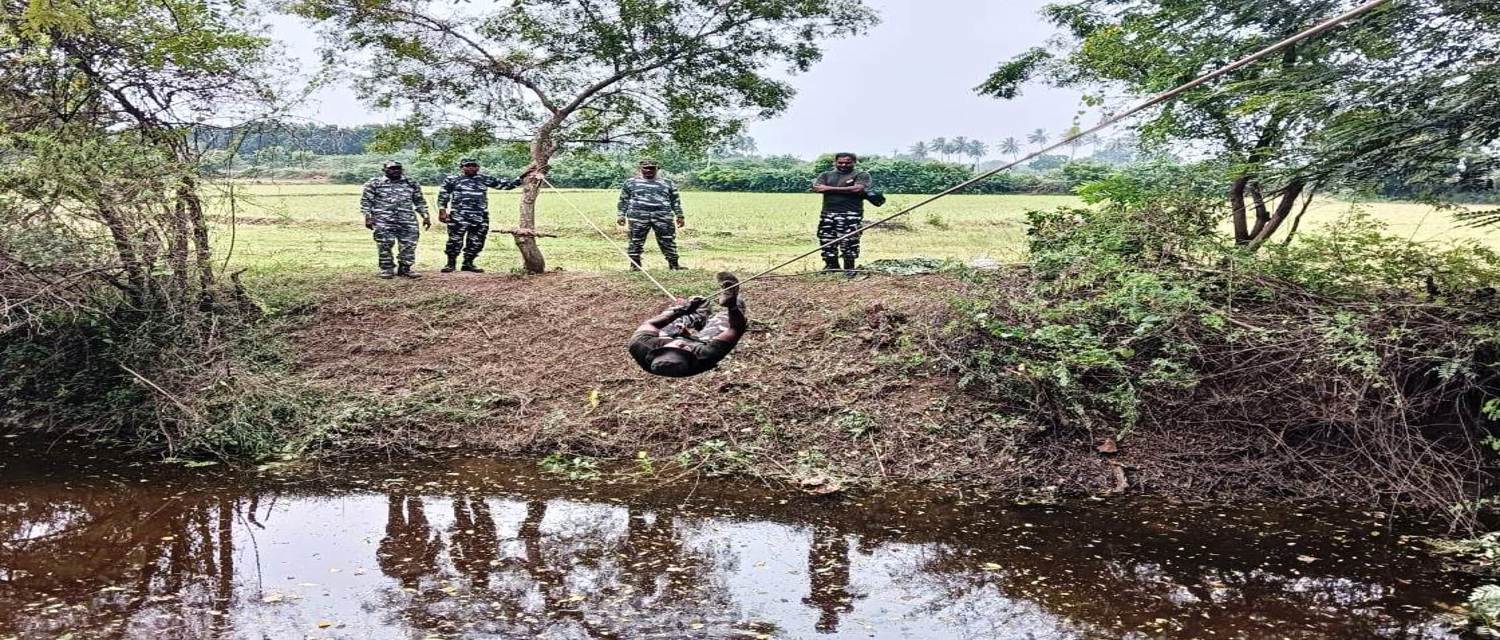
[448, 268]
[387, 273]
[405, 272]
[469, 266]
[673, 266]
[849, 266]
[830, 264]
[635, 262]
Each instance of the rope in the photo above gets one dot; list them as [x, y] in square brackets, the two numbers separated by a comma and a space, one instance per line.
[1108, 122]
[590, 223]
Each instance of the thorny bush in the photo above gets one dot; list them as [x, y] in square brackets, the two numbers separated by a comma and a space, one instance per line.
[1347, 364]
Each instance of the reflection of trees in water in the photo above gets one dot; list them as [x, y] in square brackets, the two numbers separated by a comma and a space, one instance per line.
[128, 564]
[828, 577]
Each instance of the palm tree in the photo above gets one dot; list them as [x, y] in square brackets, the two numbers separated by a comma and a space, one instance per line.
[919, 150]
[1011, 146]
[977, 151]
[960, 146]
[939, 145]
[1074, 143]
[1038, 138]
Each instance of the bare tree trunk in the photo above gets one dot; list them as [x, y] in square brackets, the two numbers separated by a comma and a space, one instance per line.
[1283, 210]
[542, 148]
[203, 254]
[1237, 208]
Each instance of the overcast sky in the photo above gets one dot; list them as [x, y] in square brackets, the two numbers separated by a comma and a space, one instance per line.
[909, 79]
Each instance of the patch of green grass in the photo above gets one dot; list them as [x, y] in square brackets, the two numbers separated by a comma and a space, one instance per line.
[287, 229]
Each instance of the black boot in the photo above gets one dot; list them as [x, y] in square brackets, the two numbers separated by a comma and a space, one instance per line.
[673, 266]
[830, 264]
[635, 262]
[405, 272]
[469, 266]
[849, 266]
[450, 266]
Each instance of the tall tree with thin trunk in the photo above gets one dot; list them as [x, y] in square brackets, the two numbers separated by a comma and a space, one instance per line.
[581, 72]
[1011, 146]
[919, 151]
[1038, 137]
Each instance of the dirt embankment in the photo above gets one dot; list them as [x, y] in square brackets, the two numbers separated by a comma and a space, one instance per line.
[833, 379]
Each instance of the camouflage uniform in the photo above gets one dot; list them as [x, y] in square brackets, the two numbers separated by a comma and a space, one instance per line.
[468, 206]
[648, 205]
[842, 213]
[394, 206]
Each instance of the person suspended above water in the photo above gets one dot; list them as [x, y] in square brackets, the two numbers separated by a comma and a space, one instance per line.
[688, 337]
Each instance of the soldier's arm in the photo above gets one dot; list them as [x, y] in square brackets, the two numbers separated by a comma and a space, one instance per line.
[681, 308]
[624, 198]
[445, 192]
[367, 200]
[676, 200]
[419, 202]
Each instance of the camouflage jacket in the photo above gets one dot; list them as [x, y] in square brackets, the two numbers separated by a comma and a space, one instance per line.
[468, 193]
[641, 197]
[393, 201]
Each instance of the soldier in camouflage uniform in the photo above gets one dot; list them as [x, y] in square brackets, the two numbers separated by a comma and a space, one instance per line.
[843, 211]
[688, 337]
[391, 205]
[469, 222]
[649, 203]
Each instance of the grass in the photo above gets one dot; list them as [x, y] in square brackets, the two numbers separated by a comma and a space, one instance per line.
[315, 228]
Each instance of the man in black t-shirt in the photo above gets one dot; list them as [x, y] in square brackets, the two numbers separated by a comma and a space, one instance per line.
[688, 338]
[843, 192]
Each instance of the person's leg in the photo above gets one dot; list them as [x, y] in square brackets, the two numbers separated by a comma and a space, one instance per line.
[456, 231]
[828, 229]
[638, 230]
[407, 236]
[666, 237]
[479, 230]
[850, 246]
[384, 240]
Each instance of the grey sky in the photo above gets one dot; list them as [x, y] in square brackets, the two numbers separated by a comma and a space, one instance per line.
[909, 79]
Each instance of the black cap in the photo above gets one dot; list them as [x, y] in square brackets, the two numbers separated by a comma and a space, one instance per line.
[468, 161]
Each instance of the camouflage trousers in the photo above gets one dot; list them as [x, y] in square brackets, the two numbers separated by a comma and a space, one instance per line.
[388, 234]
[466, 234]
[834, 224]
[665, 226]
[701, 325]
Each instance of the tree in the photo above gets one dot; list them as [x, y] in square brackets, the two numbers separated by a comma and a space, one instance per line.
[1011, 146]
[1038, 137]
[958, 146]
[1399, 91]
[571, 72]
[940, 146]
[1075, 143]
[919, 151]
[976, 150]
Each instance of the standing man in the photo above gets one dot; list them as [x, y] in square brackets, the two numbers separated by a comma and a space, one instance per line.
[469, 223]
[649, 203]
[843, 192]
[391, 205]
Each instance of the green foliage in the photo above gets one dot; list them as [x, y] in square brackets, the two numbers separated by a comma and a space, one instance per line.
[714, 457]
[573, 467]
[1390, 101]
[1484, 609]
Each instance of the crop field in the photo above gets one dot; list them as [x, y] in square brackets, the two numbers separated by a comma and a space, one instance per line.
[317, 228]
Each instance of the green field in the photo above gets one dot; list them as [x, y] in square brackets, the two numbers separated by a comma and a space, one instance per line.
[317, 227]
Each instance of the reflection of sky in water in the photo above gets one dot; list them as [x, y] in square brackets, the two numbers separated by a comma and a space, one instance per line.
[376, 565]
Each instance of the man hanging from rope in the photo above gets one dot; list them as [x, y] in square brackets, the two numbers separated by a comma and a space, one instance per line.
[688, 338]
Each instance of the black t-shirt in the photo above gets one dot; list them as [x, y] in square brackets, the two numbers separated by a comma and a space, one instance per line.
[844, 202]
[706, 354]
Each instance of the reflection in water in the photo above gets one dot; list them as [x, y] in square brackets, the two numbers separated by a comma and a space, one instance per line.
[487, 550]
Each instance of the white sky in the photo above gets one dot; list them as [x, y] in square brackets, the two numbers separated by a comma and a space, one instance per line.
[911, 78]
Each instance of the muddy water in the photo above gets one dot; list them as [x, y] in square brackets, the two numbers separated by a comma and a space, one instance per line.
[484, 549]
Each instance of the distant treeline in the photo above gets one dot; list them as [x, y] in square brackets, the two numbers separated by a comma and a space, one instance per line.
[315, 139]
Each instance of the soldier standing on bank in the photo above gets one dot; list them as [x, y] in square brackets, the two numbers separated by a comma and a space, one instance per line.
[391, 205]
[843, 211]
[650, 203]
[469, 221]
